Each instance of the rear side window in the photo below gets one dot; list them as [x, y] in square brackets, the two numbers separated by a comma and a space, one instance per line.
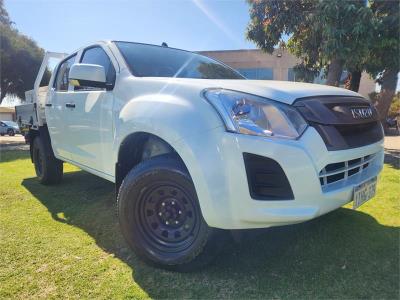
[98, 56]
[61, 83]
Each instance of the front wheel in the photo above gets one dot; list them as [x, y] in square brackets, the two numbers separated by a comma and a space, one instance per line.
[48, 169]
[10, 132]
[160, 216]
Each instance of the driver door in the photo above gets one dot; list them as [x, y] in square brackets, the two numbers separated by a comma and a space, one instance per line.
[91, 118]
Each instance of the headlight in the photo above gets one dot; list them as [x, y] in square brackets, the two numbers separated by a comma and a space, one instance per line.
[249, 114]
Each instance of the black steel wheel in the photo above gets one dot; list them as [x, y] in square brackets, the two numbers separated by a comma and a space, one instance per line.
[169, 220]
[48, 169]
[10, 132]
[38, 159]
[160, 216]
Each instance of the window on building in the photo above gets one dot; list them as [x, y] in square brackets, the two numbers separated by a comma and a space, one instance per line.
[291, 75]
[343, 78]
[257, 73]
[321, 78]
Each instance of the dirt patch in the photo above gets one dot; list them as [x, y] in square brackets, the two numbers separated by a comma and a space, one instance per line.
[392, 143]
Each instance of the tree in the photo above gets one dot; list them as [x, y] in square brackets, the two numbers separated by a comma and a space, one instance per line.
[394, 109]
[4, 17]
[326, 35]
[20, 59]
[383, 60]
[353, 81]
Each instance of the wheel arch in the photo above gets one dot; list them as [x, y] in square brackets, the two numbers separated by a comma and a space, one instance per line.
[139, 146]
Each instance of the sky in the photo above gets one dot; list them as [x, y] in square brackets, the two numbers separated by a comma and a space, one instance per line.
[195, 25]
[65, 25]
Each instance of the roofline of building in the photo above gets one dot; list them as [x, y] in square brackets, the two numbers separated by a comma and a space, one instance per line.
[239, 50]
[5, 109]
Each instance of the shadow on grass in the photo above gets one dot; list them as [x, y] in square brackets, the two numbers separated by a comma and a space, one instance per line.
[7, 155]
[392, 157]
[345, 254]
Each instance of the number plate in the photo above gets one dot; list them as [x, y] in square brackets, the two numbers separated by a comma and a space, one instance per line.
[364, 192]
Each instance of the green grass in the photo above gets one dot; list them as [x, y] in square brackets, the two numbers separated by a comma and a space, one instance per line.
[64, 241]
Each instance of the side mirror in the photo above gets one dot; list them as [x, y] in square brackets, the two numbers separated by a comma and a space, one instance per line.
[87, 75]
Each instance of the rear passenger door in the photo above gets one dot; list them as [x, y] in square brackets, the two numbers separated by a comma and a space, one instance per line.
[57, 112]
[91, 126]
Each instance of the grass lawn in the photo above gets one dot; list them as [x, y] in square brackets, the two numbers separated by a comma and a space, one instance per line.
[64, 241]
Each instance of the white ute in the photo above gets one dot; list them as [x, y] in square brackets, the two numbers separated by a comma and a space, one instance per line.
[193, 147]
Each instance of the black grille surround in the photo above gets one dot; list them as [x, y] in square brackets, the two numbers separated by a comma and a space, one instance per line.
[266, 179]
[331, 116]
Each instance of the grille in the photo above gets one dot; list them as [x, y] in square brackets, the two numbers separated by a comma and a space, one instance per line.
[332, 117]
[339, 137]
[342, 170]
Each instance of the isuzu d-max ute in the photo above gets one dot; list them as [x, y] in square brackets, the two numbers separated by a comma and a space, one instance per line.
[193, 147]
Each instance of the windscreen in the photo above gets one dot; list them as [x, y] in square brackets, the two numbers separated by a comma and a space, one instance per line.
[155, 61]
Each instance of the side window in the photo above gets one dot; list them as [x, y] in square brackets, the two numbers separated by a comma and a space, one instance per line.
[98, 56]
[61, 82]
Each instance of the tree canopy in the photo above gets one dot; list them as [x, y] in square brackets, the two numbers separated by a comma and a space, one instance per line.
[20, 58]
[325, 35]
[4, 17]
[330, 36]
[383, 60]
[385, 47]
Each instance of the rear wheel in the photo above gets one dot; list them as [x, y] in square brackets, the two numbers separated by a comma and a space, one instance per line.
[48, 169]
[160, 216]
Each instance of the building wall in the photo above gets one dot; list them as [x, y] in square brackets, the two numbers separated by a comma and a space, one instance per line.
[7, 113]
[6, 116]
[367, 85]
[281, 62]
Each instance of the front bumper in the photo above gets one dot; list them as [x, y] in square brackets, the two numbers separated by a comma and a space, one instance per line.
[215, 162]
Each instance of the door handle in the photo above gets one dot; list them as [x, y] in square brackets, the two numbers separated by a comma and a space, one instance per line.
[70, 105]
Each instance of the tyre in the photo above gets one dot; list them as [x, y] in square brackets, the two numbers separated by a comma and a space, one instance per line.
[10, 132]
[160, 216]
[48, 169]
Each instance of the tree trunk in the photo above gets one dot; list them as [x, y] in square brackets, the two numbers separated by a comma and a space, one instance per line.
[334, 72]
[385, 97]
[355, 78]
